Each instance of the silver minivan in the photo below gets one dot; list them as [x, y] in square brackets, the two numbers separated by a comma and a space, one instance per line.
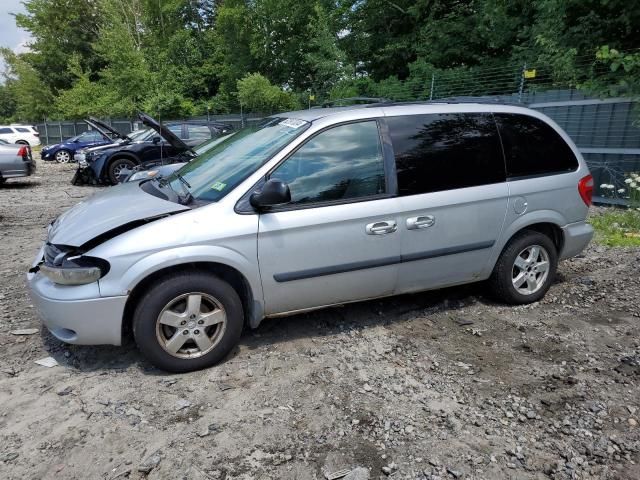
[316, 208]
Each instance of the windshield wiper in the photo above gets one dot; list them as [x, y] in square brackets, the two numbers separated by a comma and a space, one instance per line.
[184, 199]
[188, 198]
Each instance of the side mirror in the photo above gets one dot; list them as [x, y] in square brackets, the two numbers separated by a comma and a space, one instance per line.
[156, 140]
[274, 192]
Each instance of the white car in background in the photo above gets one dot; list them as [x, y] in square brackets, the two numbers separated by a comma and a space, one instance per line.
[22, 134]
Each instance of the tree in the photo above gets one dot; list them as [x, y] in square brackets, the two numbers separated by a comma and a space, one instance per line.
[60, 29]
[257, 94]
[324, 61]
[33, 99]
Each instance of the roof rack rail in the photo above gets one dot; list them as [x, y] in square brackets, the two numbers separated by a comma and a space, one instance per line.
[354, 100]
[450, 100]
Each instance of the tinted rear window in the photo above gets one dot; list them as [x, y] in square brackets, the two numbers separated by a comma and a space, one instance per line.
[532, 147]
[436, 152]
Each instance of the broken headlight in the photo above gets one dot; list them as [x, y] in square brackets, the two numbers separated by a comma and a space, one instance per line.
[71, 268]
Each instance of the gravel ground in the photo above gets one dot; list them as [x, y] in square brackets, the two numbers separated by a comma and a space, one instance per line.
[443, 384]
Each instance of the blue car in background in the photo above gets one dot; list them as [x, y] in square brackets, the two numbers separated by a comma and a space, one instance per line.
[101, 134]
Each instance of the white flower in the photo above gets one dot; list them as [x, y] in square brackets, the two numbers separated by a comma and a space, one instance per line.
[621, 190]
[628, 180]
[604, 185]
[633, 184]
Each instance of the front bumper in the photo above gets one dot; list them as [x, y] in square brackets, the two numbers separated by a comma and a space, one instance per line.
[77, 314]
[46, 156]
[576, 238]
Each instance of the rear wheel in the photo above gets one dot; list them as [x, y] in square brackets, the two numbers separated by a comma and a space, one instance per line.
[22, 142]
[188, 322]
[117, 166]
[63, 156]
[525, 269]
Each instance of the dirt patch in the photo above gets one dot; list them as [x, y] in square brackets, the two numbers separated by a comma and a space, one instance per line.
[441, 384]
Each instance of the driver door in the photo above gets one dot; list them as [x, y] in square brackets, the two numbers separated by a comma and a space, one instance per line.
[337, 240]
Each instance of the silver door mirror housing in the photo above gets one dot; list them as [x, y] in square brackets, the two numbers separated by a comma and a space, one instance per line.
[274, 192]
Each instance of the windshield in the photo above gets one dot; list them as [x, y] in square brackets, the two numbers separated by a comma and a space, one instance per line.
[142, 135]
[214, 173]
[89, 135]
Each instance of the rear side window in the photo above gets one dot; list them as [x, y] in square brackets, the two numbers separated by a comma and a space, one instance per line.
[22, 129]
[436, 152]
[532, 147]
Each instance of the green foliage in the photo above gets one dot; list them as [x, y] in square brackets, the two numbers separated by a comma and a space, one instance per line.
[617, 228]
[7, 104]
[257, 94]
[623, 73]
[60, 29]
[25, 87]
[182, 57]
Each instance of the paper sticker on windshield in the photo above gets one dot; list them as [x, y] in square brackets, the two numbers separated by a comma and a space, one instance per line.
[219, 186]
[292, 122]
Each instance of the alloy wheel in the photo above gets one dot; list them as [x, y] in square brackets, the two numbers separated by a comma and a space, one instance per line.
[530, 270]
[63, 156]
[191, 325]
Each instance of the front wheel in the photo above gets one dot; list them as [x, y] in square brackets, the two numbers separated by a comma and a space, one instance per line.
[63, 156]
[525, 269]
[188, 322]
[117, 166]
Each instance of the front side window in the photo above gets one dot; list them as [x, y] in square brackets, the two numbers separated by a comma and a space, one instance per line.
[5, 130]
[175, 129]
[436, 152]
[342, 163]
[532, 147]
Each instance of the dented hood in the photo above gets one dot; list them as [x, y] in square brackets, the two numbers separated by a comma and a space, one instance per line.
[107, 211]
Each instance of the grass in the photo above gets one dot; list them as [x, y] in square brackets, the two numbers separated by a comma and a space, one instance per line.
[617, 228]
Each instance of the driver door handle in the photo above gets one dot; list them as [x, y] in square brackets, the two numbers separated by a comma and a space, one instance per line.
[381, 228]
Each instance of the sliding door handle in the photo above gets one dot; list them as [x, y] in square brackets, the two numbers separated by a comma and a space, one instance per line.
[415, 223]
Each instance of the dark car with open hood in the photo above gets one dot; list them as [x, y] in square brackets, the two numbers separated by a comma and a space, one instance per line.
[155, 144]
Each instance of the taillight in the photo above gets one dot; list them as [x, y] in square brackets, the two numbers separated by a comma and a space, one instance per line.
[36, 134]
[23, 152]
[585, 188]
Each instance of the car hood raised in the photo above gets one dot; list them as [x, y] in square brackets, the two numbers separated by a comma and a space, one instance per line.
[164, 132]
[107, 211]
[105, 129]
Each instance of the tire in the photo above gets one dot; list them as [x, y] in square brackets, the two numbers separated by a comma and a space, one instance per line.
[116, 165]
[528, 280]
[170, 322]
[63, 156]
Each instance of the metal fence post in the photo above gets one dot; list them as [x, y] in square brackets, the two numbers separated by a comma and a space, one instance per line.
[46, 131]
[433, 82]
[60, 130]
[521, 89]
